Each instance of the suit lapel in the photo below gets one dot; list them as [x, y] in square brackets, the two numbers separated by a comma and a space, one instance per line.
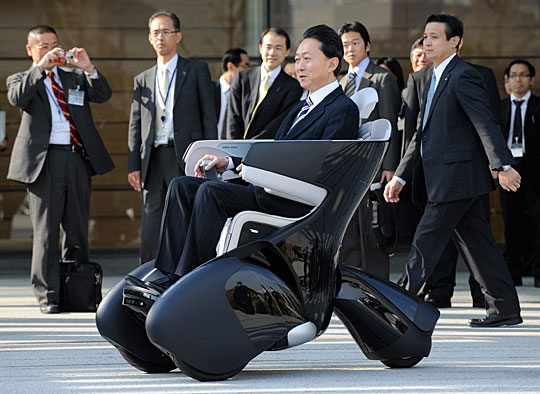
[532, 108]
[366, 76]
[505, 117]
[181, 71]
[42, 92]
[150, 80]
[274, 91]
[254, 82]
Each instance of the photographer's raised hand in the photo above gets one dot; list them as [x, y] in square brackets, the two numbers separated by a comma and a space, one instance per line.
[82, 60]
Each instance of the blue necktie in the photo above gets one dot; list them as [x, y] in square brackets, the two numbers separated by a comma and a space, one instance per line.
[430, 95]
[302, 114]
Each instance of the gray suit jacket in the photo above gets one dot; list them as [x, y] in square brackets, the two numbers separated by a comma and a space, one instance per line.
[460, 140]
[26, 91]
[194, 115]
[388, 106]
[284, 93]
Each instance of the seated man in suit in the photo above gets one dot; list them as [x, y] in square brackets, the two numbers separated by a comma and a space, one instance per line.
[197, 208]
[261, 97]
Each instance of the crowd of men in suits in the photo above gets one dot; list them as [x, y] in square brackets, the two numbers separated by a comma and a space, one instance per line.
[439, 158]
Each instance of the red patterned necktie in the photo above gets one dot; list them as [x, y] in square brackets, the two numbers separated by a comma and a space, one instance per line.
[74, 137]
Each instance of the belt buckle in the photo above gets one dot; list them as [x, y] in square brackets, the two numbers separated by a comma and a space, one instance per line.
[73, 148]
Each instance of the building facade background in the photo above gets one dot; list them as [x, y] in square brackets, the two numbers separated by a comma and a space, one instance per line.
[115, 34]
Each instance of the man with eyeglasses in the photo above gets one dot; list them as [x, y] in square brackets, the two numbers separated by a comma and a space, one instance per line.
[172, 106]
[56, 151]
[521, 210]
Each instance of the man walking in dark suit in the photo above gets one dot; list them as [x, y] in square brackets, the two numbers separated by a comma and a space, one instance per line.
[172, 106]
[197, 208]
[521, 210]
[448, 163]
[439, 287]
[56, 151]
[261, 97]
[234, 60]
[357, 249]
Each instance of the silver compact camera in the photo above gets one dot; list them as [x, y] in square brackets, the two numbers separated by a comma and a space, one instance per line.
[69, 56]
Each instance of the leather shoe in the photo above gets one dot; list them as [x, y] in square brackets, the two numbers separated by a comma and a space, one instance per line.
[536, 281]
[496, 321]
[439, 302]
[49, 308]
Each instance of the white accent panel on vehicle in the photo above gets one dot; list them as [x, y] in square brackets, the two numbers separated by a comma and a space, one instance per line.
[230, 235]
[365, 99]
[284, 186]
[301, 334]
[377, 130]
[220, 148]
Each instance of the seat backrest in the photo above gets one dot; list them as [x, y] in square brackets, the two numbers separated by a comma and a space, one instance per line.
[365, 99]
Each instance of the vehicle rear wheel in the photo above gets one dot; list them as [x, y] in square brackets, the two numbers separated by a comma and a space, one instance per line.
[404, 362]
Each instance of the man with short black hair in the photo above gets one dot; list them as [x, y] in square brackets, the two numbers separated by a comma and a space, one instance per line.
[447, 163]
[262, 96]
[56, 151]
[521, 210]
[358, 249]
[234, 60]
[172, 107]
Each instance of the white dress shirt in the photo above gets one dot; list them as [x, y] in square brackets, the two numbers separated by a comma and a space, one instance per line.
[171, 67]
[513, 115]
[225, 90]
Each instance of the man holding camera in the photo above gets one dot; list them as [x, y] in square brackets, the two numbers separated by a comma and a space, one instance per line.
[56, 151]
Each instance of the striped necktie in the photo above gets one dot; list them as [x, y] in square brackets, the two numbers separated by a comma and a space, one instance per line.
[74, 136]
[350, 88]
[303, 112]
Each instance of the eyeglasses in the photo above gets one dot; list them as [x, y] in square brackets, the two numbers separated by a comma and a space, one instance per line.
[165, 33]
[522, 76]
[41, 47]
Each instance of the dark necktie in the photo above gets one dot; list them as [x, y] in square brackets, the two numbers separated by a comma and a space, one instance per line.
[74, 137]
[350, 88]
[518, 128]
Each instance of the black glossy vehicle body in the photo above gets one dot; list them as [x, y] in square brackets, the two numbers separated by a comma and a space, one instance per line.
[218, 317]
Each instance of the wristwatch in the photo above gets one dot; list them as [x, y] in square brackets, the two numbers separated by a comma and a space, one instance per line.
[505, 168]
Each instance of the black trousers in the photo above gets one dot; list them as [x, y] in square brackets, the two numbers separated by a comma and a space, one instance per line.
[441, 283]
[162, 170]
[521, 214]
[464, 223]
[196, 210]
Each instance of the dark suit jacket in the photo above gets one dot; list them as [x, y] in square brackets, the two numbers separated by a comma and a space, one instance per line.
[529, 165]
[413, 94]
[282, 95]
[460, 137]
[26, 91]
[334, 118]
[194, 115]
[384, 82]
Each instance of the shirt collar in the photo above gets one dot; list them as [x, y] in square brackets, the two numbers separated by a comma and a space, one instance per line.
[225, 86]
[321, 93]
[438, 71]
[526, 97]
[54, 70]
[273, 74]
[171, 64]
[361, 67]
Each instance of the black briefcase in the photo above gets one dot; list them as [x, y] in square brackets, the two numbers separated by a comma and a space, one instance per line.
[80, 286]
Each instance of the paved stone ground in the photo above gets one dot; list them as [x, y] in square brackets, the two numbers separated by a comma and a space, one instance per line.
[42, 354]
